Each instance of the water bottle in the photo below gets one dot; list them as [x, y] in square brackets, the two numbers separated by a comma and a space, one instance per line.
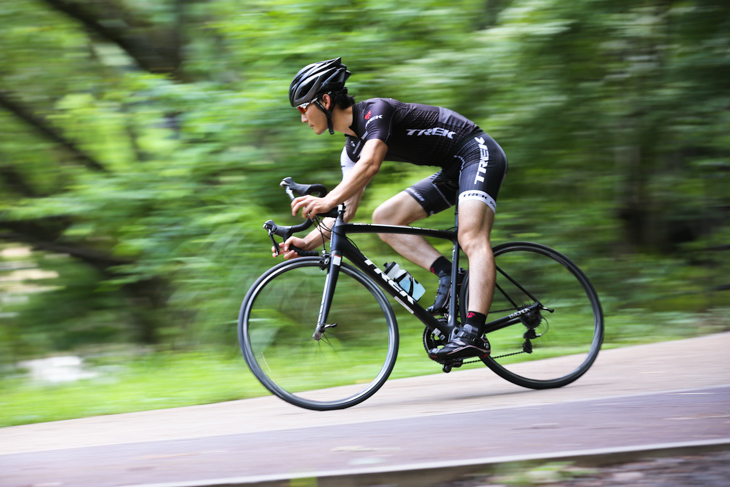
[405, 280]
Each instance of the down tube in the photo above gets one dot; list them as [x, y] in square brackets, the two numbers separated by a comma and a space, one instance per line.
[389, 286]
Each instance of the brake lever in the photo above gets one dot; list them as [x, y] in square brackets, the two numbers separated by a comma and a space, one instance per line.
[272, 228]
[277, 251]
[289, 192]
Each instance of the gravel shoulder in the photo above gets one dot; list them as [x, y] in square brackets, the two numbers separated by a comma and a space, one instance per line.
[706, 469]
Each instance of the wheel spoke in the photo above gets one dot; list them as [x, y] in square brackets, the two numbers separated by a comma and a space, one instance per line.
[558, 341]
[351, 359]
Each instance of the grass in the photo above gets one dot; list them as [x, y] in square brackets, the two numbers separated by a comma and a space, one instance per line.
[163, 380]
[166, 380]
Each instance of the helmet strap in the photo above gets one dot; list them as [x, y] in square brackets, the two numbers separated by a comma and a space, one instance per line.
[329, 116]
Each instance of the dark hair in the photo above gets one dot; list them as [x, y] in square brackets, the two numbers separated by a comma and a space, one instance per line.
[342, 99]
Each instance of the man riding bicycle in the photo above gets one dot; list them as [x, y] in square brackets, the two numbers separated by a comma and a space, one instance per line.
[472, 166]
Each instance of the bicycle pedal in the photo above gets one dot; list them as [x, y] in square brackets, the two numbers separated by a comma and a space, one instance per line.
[447, 366]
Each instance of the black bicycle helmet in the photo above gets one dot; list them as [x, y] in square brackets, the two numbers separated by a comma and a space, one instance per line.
[316, 79]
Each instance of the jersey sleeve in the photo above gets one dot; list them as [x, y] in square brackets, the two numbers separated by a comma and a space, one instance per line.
[378, 119]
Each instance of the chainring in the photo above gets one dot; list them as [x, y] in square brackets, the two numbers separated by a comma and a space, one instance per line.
[431, 339]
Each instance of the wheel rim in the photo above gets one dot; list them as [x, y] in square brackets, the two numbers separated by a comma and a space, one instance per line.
[571, 334]
[347, 365]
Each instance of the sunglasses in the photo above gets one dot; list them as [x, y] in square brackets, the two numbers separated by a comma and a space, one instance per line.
[303, 107]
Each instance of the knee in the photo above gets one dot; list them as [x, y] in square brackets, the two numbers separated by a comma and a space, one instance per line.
[472, 240]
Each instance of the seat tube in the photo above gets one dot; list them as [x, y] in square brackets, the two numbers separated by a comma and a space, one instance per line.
[333, 271]
[455, 269]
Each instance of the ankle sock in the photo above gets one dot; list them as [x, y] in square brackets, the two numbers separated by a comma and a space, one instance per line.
[441, 266]
[476, 321]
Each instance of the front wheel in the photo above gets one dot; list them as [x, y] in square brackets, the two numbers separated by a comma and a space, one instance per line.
[552, 346]
[354, 356]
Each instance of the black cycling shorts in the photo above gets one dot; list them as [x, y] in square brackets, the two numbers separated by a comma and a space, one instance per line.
[477, 172]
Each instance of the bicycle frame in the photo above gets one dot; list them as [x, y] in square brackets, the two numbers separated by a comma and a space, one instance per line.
[341, 247]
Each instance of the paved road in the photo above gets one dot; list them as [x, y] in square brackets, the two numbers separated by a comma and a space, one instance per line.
[632, 398]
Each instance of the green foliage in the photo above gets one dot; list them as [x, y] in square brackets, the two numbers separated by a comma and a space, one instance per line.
[141, 172]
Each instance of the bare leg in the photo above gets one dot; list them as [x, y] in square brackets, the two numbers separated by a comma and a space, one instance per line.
[475, 224]
[402, 209]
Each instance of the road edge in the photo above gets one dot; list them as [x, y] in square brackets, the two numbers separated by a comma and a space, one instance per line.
[419, 475]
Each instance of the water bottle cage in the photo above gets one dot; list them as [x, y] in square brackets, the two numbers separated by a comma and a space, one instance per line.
[405, 280]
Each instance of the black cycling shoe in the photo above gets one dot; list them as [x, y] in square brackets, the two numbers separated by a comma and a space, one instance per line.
[469, 342]
[441, 303]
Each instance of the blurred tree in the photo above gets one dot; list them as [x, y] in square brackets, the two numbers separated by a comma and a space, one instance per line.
[154, 46]
[146, 140]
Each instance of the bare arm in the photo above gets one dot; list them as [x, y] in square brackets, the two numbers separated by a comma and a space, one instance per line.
[349, 191]
[371, 158]
[316, 238]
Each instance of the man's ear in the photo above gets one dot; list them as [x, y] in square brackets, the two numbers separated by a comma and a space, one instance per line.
[327, 101]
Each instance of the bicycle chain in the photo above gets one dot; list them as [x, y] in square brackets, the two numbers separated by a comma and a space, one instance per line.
[499, 356]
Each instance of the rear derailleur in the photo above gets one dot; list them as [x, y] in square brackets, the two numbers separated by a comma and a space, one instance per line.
[532, 320]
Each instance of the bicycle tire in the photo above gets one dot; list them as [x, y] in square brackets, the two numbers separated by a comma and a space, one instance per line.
[571, 335]
[351, 362]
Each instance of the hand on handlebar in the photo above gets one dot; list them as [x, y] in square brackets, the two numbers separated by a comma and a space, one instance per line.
[285, 249]
[310, 206]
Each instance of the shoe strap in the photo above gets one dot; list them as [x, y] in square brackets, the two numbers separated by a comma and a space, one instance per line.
[470, 330]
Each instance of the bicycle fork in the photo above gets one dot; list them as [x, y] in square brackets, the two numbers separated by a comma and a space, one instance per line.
[330, 282]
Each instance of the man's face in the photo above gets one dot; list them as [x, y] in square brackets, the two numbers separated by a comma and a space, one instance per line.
[314, 117]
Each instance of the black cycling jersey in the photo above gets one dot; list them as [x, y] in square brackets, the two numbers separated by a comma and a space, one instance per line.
[473, 164]
[418, 134]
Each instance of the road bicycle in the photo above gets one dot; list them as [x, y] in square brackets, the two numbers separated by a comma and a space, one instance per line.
[320, 333]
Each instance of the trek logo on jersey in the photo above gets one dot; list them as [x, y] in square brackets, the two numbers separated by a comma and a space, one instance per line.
[367, 115]
[434, 131]
[370, 119]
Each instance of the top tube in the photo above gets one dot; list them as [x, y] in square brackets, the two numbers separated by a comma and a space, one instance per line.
[360, 228]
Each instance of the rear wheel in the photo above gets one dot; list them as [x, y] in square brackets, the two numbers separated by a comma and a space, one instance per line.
[350, 362]
[559, 341]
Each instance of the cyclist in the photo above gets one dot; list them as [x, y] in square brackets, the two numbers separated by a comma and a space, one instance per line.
[472, 166]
